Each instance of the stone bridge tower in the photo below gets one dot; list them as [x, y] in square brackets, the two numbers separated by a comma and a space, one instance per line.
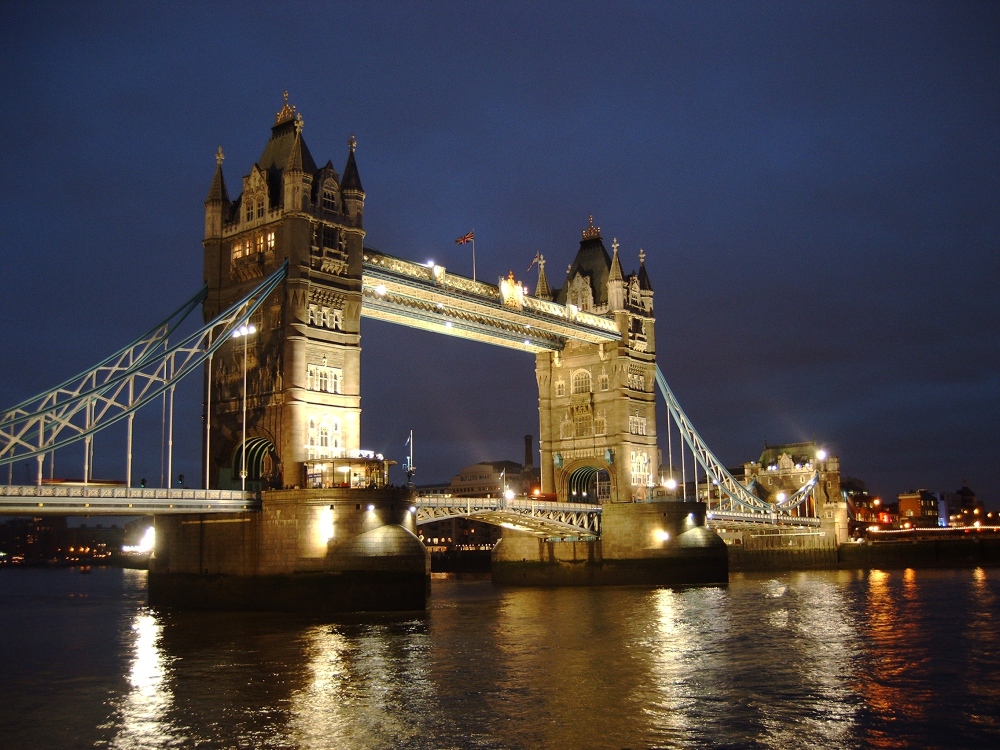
[597, 417]
[303, 362]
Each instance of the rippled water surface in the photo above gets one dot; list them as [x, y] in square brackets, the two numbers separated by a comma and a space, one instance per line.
[817, 659]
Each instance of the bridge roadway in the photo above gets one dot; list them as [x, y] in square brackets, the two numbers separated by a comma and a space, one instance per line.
[430, 298]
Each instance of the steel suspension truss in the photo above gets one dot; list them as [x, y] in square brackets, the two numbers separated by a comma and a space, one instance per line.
[543, 519]
[739, 500]
[123, 383]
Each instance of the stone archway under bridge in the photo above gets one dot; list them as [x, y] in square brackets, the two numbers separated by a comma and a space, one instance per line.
[262, 464]
[589, 480]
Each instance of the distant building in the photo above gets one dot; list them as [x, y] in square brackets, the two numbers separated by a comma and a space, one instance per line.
[918, 509]
[961, 508]
[783, 469]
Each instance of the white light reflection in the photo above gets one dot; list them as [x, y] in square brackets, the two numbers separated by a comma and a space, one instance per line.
[142, 713]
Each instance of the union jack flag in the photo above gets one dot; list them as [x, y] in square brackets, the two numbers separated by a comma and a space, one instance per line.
[533, 262]
[466, 238]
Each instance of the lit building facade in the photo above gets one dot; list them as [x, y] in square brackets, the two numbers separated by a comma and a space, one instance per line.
[303, 363]
[597, 416]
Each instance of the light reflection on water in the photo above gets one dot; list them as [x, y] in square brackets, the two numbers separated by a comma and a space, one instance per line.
[820, 659]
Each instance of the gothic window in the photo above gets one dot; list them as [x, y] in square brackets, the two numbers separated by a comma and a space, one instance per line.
[249, 211]
[260, 243]
[260, 209]
[560, 387]
[581, 381]
[337, 320]
[323, 378]
[313, 314]
[566, 430]
[603, 381]
[601, 424]
[237, 250]
[270, 240]
[582, 424]
[324, 317]
[640, 469]
[329, 198]
[311, 443]
[636, 424]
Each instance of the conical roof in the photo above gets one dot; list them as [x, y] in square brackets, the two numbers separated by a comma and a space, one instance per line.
[218, 192]
[593, 263]
[644, 283]
[352, 180]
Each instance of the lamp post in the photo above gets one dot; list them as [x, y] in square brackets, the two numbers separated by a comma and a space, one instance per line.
[244, 332]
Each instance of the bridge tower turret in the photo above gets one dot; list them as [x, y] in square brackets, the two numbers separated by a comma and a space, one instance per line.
[303, 362]
[596, 401]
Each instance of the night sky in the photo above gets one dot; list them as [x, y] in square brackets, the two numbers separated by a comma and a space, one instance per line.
[815, 186]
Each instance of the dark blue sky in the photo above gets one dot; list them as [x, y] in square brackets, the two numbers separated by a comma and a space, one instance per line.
[815, 186]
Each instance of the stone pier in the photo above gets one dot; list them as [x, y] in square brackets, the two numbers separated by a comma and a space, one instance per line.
[322, 550]
[656, 543]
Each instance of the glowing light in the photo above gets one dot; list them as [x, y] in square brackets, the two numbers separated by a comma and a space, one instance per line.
[661, 536]
[671, 484]
[430, 264]
[371, 508]
[144, 546]
[413, 509]
[447, 324]
[508, 494]
[782, 497]
[380, 290]
[821, 454]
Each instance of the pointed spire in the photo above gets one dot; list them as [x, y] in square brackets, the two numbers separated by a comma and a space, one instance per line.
[295, 157]
[542, 291]
[644, 283]
[352, 180]
[218, 190]
[616, 266]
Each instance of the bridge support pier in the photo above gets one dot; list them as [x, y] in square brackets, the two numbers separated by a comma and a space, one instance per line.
[330, 550]
[659, 543]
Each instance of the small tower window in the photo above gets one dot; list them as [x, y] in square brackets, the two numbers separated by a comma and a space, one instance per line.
[329, 198]
[249, 211]
[260, 209]
[270, 240]
[560, 388]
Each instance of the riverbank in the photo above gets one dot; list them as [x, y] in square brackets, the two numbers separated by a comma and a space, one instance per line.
[889, 555]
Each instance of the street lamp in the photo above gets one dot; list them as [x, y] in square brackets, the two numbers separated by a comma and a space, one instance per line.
[244, 332]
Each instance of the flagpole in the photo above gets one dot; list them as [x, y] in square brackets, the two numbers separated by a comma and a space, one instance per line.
[473, 255]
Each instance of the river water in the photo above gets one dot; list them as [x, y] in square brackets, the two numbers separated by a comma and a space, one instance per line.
[824, 659]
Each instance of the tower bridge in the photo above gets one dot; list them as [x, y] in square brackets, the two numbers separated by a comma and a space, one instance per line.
[288, 279]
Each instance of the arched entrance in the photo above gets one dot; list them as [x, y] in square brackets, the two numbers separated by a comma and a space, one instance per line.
[588, 484]
[262, 464]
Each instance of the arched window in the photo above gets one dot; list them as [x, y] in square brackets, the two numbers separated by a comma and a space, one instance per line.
[604, 381]
[581, 381]
[324, 440]
[560, 388]
[324, 379]
[329, 197]
[260, 209]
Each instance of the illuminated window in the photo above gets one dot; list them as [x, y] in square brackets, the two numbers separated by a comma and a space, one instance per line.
[237, 250]
[581, 381]
[270, 240]
[637, 424]
[640, 469]
[260, 243]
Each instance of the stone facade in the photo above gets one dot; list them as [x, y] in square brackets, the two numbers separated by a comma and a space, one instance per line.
[303, 362]
[597, 417]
